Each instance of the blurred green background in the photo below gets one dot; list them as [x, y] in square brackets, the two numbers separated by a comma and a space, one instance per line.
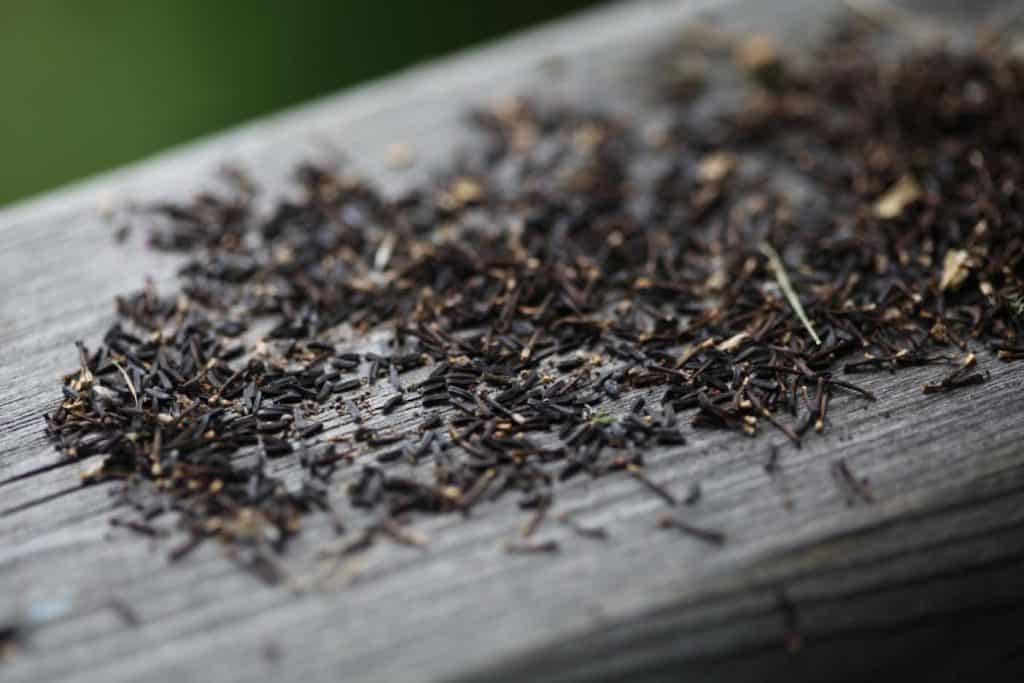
[93, 84]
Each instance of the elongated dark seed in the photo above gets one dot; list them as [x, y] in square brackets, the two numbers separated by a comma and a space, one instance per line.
[390, 456]
[347, 385]
[311, 429]
[353, 410]
[392, 403]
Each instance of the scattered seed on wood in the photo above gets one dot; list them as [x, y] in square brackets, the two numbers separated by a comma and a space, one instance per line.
[654, 273]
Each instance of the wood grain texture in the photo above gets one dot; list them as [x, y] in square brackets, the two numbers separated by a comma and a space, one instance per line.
[931, 574]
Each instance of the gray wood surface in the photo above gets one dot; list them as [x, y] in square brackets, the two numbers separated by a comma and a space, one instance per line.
[929, 574]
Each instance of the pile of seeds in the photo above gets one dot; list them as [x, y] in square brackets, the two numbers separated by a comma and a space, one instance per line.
[565, 295]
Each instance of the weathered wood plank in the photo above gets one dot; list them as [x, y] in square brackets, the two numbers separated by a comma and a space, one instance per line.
[936, 559]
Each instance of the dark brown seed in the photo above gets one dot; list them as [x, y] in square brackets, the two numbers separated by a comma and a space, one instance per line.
[660, 490]
[671, 522]
[531, 548]
[353, 410]
[392, 403]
